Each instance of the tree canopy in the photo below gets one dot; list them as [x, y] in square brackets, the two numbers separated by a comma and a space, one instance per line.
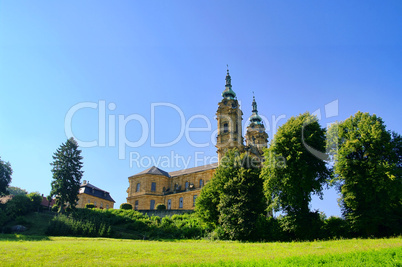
[14, 190]
[368, 174]
[67, 164]
[233, 199]
[292, 171]
[5, 176]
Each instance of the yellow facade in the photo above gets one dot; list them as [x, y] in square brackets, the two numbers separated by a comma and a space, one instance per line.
[99, 203]
[176, 190]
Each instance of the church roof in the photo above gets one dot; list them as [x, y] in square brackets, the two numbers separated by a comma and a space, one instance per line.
[228, 93]
[255, 118]
[155, 171]
[195, 169]
[89, 189]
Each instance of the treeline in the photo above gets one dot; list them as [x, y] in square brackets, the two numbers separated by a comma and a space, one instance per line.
[358, 156]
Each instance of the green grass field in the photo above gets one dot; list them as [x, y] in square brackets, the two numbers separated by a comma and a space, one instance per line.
[18, 250]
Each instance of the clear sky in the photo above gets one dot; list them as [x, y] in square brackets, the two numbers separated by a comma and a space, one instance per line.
[132, 76]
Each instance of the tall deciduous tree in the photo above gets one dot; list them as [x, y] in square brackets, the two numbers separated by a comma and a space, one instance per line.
[234, 198]
[14, 190]
[368, 173]
[67, 164]
[5, 176]
[294, 169]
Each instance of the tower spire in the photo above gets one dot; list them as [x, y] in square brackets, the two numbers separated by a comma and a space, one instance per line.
[255, 118]
[228, 93]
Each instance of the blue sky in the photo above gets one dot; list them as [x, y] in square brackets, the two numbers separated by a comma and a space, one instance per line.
[296, 56]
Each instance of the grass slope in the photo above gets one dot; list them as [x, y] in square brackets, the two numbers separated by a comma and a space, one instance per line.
[16, 250]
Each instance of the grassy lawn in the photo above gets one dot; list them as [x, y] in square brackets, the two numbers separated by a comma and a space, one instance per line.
[16, 250]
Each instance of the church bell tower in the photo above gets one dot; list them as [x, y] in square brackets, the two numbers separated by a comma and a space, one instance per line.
[229, 118]
[256, 137]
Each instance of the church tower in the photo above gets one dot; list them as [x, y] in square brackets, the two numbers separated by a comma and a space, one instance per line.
[256, 137]
[229, 118]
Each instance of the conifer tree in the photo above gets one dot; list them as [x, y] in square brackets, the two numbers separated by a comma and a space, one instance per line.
[67, 164]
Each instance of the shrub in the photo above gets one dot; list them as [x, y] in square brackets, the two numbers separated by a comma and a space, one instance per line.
[126, 206]
[335, 227]
[161, 207]
[36, 200]
[19, 205]
[89, 206]
[69, 209]
[55, 208]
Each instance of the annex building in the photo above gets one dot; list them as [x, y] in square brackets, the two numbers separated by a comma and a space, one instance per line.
[178, 190]
[88, 193]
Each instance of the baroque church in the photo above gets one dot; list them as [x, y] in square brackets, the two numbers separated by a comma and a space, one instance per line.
[178, 190]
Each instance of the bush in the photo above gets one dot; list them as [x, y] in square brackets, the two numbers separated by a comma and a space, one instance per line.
[89, 206]
[19, 205]
[335, 227]
[36, 200]
[126, 206]
[55, 208]
[122, 223]
[161, 207]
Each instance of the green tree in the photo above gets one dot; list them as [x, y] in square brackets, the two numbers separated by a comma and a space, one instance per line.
[233, 199]
[13, 190]
[36, 200]
[294, 169]
[67, 164]
[19, 205]
[367, 172]
[5, 176]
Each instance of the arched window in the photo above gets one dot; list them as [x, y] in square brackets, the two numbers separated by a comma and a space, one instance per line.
[152, 206]
[138, 187]
[225, 127]
[169, 204]
[201, 183]
[181, 203]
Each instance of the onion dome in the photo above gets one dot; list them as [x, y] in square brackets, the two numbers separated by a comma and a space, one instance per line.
[255, 118]
[228, 93]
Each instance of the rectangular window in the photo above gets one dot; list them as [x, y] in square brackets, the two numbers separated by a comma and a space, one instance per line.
[152, 206]
[181, 203]
[201, 183]
[169, 204]
[136, 205]
[153, 187]
[194, 198]
[138, 187]
[186, 185]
